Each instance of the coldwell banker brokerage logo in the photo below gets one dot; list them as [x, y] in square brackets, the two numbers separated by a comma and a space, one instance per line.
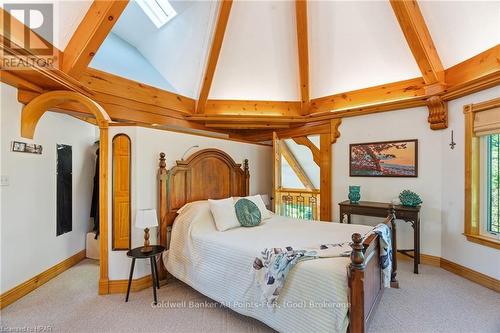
[28, 35]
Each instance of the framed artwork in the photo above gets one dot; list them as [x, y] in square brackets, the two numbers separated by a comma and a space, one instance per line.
[384, 159]
[23, 147]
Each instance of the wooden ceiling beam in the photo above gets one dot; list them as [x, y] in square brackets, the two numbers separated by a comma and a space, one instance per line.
[419, 40]
[246, 125]
[477, 73]
[253, 108]
[114, 85]
[304, 141]
[303, 53]
[376, 98]
[18, 82]
[90, 34]
[220, 30]
[122, 113]
[247, 119]
[295, 165]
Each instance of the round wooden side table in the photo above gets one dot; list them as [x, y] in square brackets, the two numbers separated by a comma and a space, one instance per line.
[137, 254]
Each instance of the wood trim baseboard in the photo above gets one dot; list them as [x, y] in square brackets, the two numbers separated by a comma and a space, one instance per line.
[425, 259]
[120, 286]
[28, 286]
[472, 275]
[450, 266]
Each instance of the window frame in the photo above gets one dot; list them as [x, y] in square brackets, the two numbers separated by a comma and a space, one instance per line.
[486, 226]
[473, 228]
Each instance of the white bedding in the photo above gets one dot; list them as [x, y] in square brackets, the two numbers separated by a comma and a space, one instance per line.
[218, 264]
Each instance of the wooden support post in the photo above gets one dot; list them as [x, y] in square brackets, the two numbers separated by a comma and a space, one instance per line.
[325, 177]
[103, 209]
[276, 170]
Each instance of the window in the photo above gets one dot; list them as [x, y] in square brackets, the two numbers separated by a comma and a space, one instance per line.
[482, 173]
[158, 11]
[493, 184]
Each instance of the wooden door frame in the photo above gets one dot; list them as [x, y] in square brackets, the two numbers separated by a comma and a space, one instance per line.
[329, 133]
[30, 116]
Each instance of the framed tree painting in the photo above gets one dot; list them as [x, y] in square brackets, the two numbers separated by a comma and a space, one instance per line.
[384, 159]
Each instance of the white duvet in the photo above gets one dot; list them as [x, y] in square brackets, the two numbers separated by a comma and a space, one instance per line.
[219, 265]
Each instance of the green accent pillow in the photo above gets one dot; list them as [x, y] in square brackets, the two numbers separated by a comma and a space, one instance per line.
[248, 213]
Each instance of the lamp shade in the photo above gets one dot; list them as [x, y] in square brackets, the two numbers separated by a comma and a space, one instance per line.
[146, 218]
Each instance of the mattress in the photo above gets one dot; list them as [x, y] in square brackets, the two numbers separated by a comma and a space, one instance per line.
[219, 265]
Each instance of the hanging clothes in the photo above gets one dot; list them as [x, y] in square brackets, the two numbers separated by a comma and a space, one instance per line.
[94, 209]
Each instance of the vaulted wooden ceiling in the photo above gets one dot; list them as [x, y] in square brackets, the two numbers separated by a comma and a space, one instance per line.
[313, 65]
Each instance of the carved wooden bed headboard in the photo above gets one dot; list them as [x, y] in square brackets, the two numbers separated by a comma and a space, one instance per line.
[207, 174]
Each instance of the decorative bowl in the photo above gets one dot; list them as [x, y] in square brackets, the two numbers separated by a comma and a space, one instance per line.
[409, 198]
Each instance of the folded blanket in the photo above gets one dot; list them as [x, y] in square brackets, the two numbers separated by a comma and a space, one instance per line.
[273, 265]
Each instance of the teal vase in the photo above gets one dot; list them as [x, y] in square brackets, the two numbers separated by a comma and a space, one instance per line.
[354, 194]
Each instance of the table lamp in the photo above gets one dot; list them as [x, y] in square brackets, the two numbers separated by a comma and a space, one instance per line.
[145, 219]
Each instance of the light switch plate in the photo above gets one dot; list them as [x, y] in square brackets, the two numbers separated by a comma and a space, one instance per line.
[4, 180]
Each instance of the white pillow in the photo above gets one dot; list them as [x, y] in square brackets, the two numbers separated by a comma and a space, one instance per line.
[257, 199]
[224, 214]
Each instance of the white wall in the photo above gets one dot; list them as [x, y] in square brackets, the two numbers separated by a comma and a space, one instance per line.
[29, 244]
[455, 247]
[440, 181]
[398, 125]
[146, 147]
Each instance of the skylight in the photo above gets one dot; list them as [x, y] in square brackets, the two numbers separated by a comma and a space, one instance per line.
[158, 11]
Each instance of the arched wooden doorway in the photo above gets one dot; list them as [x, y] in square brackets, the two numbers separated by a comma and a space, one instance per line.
[30, 116]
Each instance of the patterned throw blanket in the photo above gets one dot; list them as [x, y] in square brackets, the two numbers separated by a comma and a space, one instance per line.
[273, 265]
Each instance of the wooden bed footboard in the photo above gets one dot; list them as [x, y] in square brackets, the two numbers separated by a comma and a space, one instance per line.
[365, 276]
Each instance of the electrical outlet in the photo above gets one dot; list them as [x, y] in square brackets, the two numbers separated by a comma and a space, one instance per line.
[4, 180]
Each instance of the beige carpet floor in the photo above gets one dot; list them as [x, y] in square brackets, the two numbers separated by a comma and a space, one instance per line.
[433, 301]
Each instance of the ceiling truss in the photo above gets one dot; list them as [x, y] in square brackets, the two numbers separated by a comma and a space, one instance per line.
[129, 101]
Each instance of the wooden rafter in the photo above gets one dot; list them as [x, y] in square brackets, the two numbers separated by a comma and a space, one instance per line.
[220, 29]
[90, 34]
[303, 52]
[477, 73]
[245, 126]
[304, 141]
[369, 98]
[295, 165]
[252, 108]
[123, 111]
[419, 39]
[136, 102]
[114, 85]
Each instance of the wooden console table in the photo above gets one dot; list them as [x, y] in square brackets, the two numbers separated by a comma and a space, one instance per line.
[380, 209]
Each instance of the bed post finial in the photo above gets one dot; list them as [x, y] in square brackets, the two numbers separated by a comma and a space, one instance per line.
[247, 177]
[357, 256]
[163, 164]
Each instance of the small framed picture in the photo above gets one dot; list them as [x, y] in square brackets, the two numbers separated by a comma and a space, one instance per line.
[18, 146]
[23, 147]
